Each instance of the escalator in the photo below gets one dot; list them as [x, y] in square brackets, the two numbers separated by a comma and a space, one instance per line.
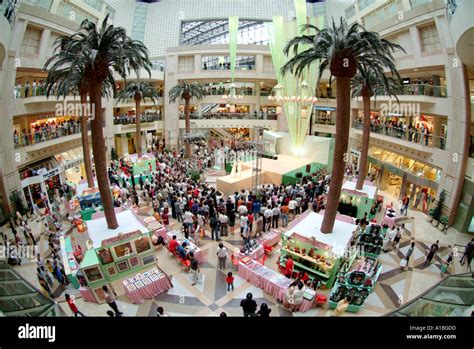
[220, 133]
[207, 109]
[19, 298]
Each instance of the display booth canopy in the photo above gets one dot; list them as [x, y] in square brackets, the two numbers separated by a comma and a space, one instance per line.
[367, 191]
[309, 228]
[127, 221]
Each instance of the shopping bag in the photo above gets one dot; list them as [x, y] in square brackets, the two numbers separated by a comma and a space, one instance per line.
[403, 263]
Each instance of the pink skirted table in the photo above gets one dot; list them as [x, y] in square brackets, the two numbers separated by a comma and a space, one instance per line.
[146, 285]
[271, 238]
[87, 294]
[199, 254]
[391, 221]
[269, 280]
[255, 254]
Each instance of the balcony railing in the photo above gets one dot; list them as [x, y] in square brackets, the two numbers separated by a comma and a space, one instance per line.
[410, 135]
[418, 90]
[222, 91]
[130, 120]
[25, 139]
[32, 91]
[230, 116]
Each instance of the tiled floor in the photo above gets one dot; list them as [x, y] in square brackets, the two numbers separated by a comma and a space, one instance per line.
[210, 296]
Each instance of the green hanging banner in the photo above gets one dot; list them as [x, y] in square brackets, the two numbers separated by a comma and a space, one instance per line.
[233, 28]
[294, 93]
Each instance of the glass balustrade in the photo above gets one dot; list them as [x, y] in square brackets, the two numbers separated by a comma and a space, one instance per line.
[409, 135]
[130, 120]
[44, 134]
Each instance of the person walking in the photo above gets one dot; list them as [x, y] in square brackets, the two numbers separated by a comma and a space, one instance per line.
[230, 281]
[110, 297]
[221, 255]
[249, 306]
[404, 265]
[467, 255]
[447, 263]
[72, 306]
[431, 253]
[194, 267]
[396, 239]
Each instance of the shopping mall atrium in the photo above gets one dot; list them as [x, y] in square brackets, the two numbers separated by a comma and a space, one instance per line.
[282, 158]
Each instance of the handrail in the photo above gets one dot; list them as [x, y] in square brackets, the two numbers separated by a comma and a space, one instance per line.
[406, 134]
[46, 134]
[242, 116]
[130, 120]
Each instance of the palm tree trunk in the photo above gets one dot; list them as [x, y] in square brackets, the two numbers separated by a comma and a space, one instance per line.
[100, 156]
[85, 141]
[138, 123]
[343, 100]
[188, 125]
[365, 142]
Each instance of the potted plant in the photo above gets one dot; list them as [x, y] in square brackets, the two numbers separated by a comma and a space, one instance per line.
[437, 210]
[443, 221]
[429, 216]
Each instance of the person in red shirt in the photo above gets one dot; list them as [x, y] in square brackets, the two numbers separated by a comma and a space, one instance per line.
[289, 267]
[173, 244]
[230, 281]
[303, 276]
[72, 306]
[250, 217]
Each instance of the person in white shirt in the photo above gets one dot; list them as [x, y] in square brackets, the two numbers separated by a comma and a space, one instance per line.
[292, 206]
[268, 215]
[224, 221]
[276, 216]
[221, 255]
[244, 220]
[188, 220]
[242, 210]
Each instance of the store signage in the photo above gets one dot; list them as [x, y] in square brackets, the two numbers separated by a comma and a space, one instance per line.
[355, 192]
[51, 173]
[325, 108]
[120, 237]
[72, 164]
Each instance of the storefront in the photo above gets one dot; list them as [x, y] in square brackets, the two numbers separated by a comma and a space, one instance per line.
[324, 115]
[399, 175]
[40, 180]
[72, 164]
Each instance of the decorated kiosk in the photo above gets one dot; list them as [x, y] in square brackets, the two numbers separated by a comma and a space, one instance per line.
[319, 255]
[356, 203]
[357, 283]
[117, 254]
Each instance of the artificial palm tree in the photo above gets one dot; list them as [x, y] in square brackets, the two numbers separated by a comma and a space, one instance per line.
[63, 80]
[366, 83]
[139, 91]
[100, 52]
[186, 91]
[343, 50]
